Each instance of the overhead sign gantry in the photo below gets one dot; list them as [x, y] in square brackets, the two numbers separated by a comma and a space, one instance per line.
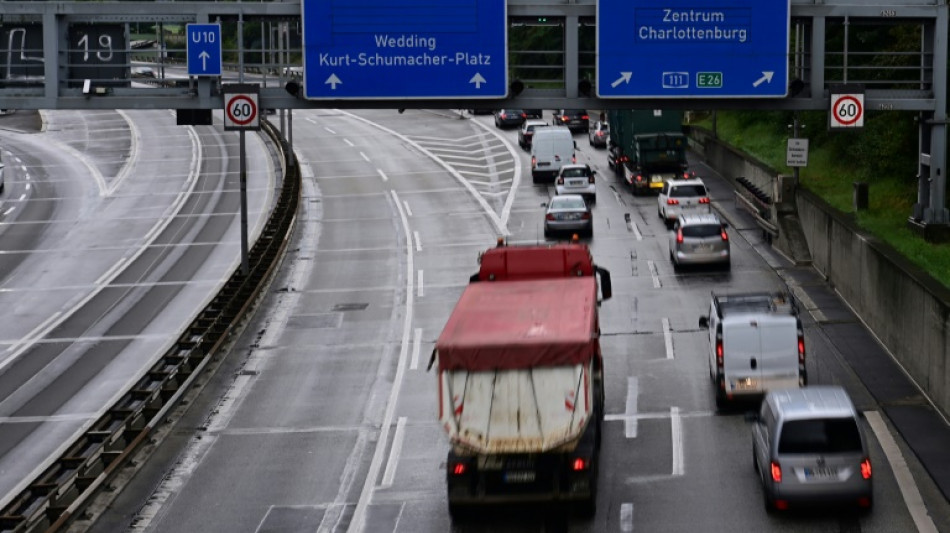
[363, 49]
[692, 48]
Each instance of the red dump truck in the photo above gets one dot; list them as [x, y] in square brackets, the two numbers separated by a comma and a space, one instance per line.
[521, 379]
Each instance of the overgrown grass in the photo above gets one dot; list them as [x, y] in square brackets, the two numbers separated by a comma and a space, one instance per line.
[835, 162]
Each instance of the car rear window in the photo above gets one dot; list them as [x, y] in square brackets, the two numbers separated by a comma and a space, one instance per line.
[826, 435]
[682, 191]
[574, 173]
[568, 203]
[701, 230]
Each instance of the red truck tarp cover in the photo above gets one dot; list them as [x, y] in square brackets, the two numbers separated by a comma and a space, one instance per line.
[521, 324]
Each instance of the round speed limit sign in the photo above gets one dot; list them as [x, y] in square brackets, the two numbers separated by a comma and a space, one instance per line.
[847, 110]
[241, 112]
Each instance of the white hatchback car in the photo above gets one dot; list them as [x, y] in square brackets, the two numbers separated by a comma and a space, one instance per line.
[577, 179]
[682, 197]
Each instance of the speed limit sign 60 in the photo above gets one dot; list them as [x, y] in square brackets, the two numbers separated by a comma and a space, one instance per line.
[847, 110]
[241, 110]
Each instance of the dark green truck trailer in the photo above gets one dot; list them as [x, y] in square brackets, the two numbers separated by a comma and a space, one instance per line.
[647, 146]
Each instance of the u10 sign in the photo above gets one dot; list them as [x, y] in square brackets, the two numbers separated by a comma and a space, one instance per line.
[373, 49]
[692, 48]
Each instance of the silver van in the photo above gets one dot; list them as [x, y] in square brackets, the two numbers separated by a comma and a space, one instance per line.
[808, 448]
[756, 343]
[551, 148]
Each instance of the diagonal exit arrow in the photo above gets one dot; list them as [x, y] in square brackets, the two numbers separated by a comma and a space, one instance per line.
[333, 81]
[766, 77]
[624, 78]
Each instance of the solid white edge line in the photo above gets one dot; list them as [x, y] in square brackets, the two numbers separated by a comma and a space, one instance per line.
[667, 338]
[676, 431]
[630, 415]
[416, 347]
[358, 522]
[394, 452]
[383, 175]
[418, 241]
[626, 517]
[905, 480]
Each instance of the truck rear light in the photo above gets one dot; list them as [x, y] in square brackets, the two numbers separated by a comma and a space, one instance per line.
[724, 235]
[534, 161]
[719, 362]
[866, 468]
[686, 175]
[590, 179]
[704, 200]
[672, 201]
[579, 464]
[624, 158]
[776, 472]
[639, 177]
[801, 348]
[679, 236]
[458, 469]
[565, 118]
[585, 117]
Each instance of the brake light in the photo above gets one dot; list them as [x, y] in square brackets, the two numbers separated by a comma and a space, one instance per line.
[776, 472]
[625, 158]
[704, 200]
[534, 161]
[866, 468]
[590, 179]
[585, 216]
[801, 347]
[524, 115]
[579, 464]
[599, 134]
[502, 115]
[672, 201]
[639, 177]
[685, 175]
[719, 350]
[565, 118]
[458, 469]
[724, 235]
[585, 117]
[550, 216]
[679, 236]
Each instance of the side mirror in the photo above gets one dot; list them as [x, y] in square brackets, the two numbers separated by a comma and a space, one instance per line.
[544, 204]
[704, 322]
[593, 172]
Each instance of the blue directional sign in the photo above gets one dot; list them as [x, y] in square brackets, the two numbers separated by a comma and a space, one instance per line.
[692, 48]
[370, 49]
[204, 49]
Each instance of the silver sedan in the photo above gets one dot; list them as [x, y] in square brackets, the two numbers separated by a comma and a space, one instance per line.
[568, 213]
[699, 240]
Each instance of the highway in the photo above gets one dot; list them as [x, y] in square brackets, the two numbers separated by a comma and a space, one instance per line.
[116, 228]
[324, 417]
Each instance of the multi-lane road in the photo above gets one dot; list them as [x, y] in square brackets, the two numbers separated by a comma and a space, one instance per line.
[324, 416]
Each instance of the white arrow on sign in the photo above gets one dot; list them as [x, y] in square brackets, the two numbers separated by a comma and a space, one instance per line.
[624, 78]
[766, 77]
[204, 60]
[333, 81]
[478, 80]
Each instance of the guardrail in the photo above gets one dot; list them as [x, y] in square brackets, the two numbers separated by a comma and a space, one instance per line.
[61, 492]
[759, 204]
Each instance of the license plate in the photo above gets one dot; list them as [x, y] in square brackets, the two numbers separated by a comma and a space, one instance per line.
[577, 183]
[821, 473]
[745, 384]
[519, 477]
[656, 185]
[703, 247]
[544, 164]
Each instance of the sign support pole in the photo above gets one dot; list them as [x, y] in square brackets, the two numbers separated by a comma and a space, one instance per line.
[245, 266]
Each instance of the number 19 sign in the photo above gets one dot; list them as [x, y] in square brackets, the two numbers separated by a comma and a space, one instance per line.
[241, 110]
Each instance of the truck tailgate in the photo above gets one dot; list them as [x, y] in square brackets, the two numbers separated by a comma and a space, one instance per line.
[517, 410]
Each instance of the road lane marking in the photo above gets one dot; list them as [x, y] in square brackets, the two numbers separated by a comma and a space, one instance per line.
[419, 283]
[676, 431]
[630, 416]
[394, 452]
[626, 517]
[358, 522]
[416, 347]
[364, 156]
[347, 141]
[405, 203]
[329, 130]
[668, 338]
[415, 234]
[382, 174]
[905, 480]
[653, 272]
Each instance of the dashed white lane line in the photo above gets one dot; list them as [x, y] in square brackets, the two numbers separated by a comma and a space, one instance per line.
[23, 197]
[676, 427]
[905, 480]
[405, 204]
[630, 416]
[626, 517]
[329, 130]
[382, 174]
[364, 156]
[653, 272]
[419, 285]
[390, 473]
[668, 338]
[348, 143]
[8, 211]
[415, 235]
[28, 186]
[416, 347]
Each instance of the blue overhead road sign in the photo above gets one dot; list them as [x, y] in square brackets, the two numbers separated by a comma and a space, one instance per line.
[369, 49]
[204, 49]
[692, 48]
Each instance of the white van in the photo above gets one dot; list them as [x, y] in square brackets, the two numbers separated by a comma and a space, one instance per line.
[551, 148]
[756, 344]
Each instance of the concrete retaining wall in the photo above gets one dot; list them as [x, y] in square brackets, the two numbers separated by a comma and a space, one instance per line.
[904, 306]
